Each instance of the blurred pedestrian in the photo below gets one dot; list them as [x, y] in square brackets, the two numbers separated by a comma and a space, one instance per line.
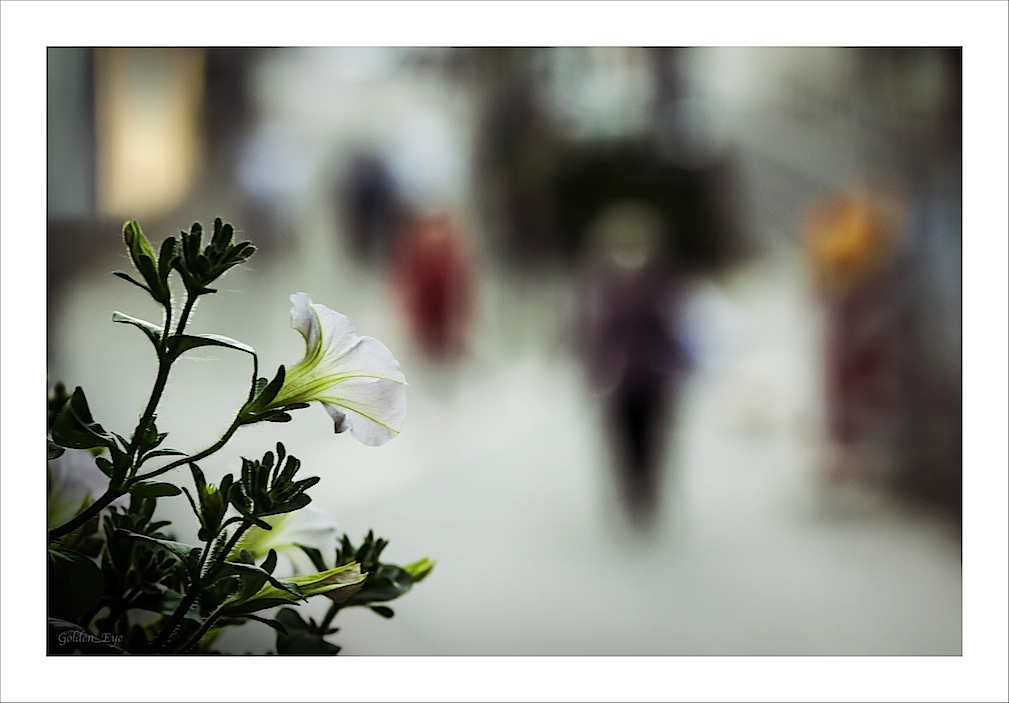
[853, 241]
[433, 277]
[372, 204]
[634, 350]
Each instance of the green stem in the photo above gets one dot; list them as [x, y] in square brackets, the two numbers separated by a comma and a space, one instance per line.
[206, 552]
[164, 366]
[231, 545]
[195, 457]
[232, 541]
[194, 592]
[334, 608]
[168, 323]
[198, 635]
[190, 302]
[255, 377]
[163, 637]
[113, 492]
[82, 518]
[192, 504]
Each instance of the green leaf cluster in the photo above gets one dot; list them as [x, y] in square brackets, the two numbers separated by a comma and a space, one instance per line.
[384, 582]
[118, 579]
[267, 487]
[200, 266]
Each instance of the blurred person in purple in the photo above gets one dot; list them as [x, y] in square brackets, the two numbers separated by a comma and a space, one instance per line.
[634, 350]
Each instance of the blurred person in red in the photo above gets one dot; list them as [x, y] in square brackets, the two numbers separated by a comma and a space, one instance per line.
[634, 349]
[432, 274]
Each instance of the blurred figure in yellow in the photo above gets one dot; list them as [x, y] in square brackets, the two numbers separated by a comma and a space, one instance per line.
[854, 243]
[634, 350]
[852, 237]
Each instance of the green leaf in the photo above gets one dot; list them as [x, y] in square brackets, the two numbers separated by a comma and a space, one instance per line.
[387, 583]
[127, 277]
[163, 452]
[254, 578]
[151, 438]
[160, 599]
[300, 638]
[245, 608]
[271, 389]
[75, 428]
[222, 235]
[106, 466]
[186, 553]
[152, 330]
[383, 610]
[241, 619]
[55, 400]
[179, 344]
[270, 563]
[118, 467]
[169, 252]
[279, 627]
[315, 555]
[75, 584]
[191, 244]
[53, 450]
[419, 569]
[151, 489]
[288, 506]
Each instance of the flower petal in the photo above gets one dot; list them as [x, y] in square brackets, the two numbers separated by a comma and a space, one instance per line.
[320, 325]
[368, 358]
[308, 526]
[357, 378]
[372, 409]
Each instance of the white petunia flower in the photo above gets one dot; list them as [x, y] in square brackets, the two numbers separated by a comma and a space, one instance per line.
[309, 527]
[356, 378]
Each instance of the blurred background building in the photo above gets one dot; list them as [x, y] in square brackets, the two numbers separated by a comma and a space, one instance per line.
[802, 241]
